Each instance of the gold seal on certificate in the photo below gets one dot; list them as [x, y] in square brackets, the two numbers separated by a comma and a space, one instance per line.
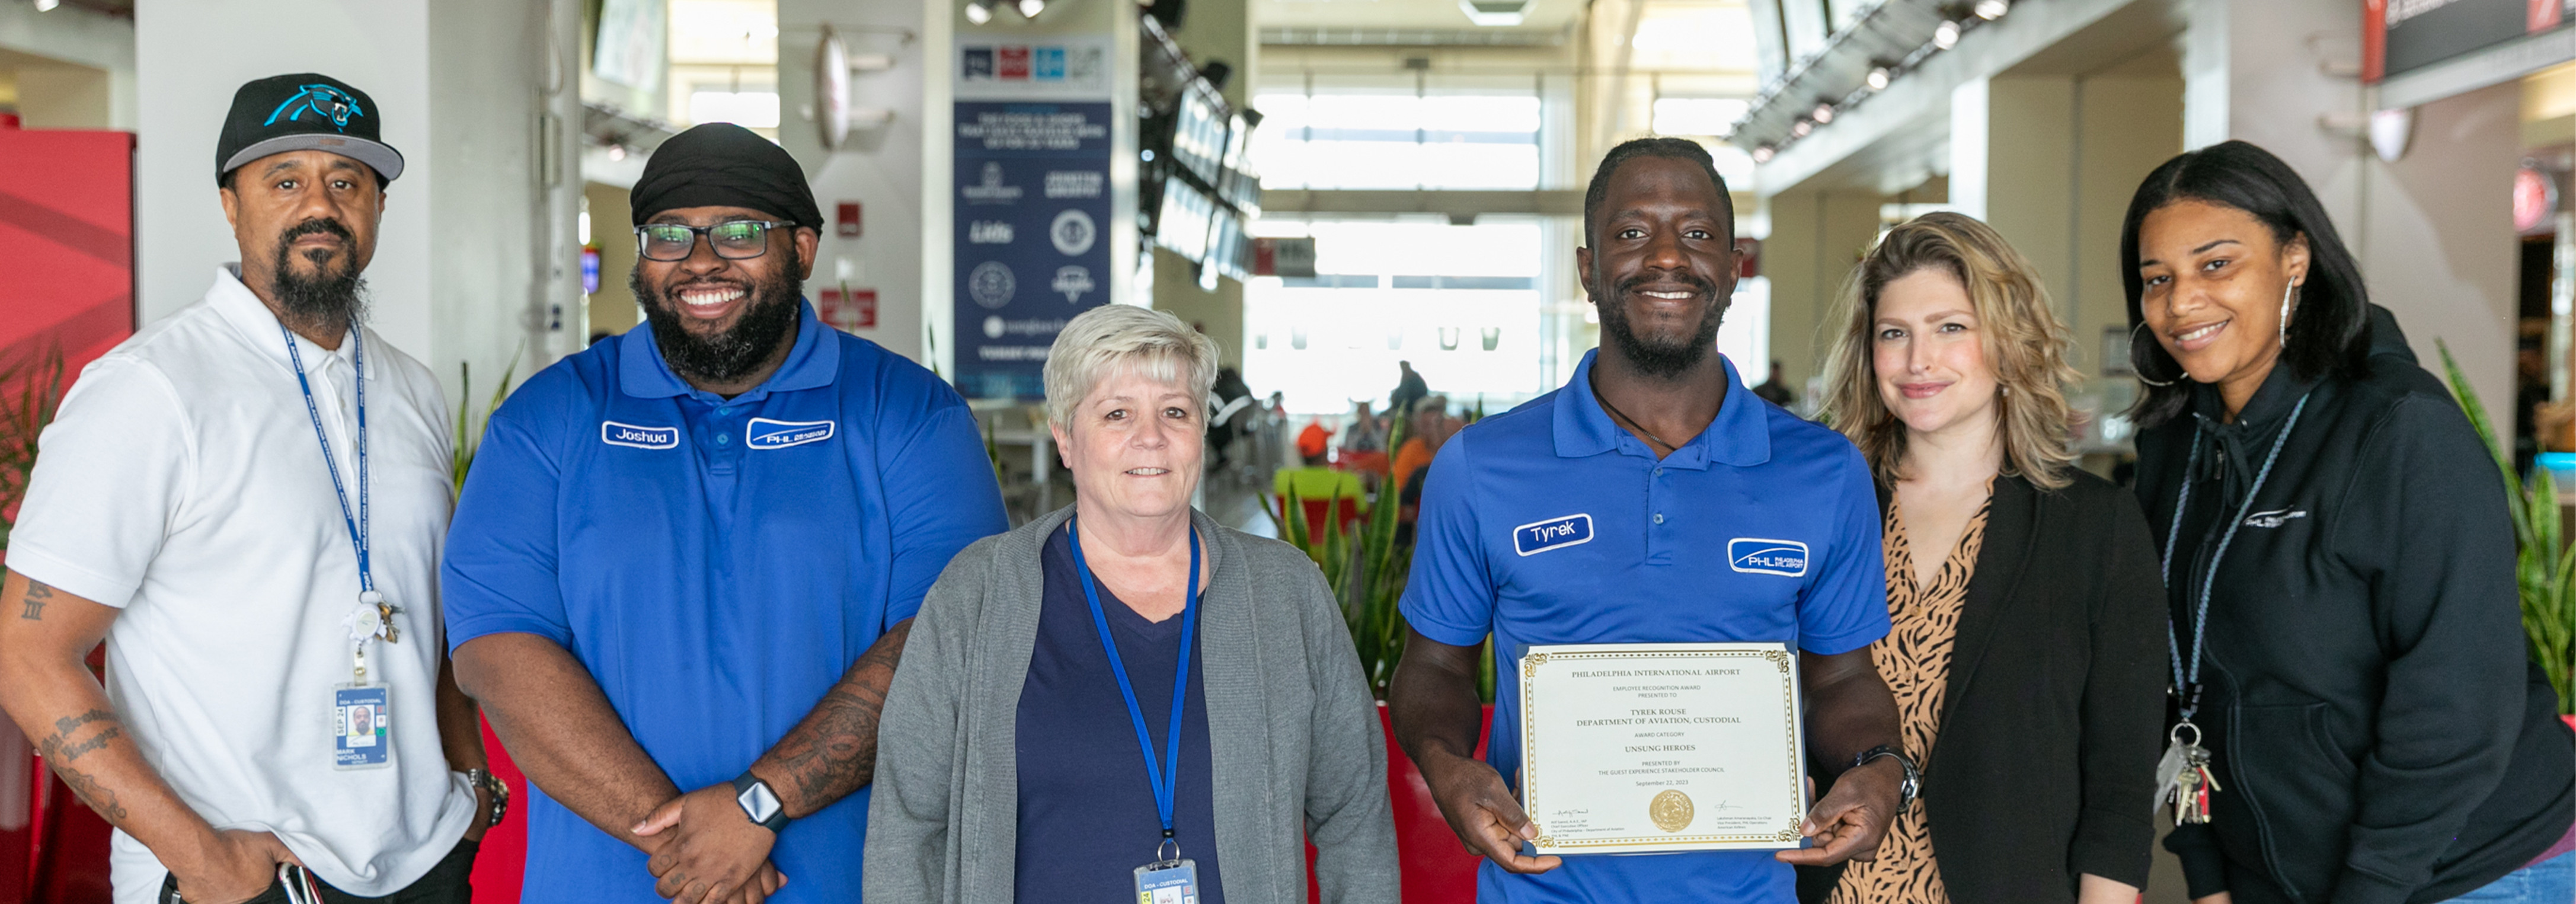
[1631, 748]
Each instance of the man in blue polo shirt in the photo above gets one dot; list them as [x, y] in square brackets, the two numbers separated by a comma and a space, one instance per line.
[1664, 477]
[686, 559]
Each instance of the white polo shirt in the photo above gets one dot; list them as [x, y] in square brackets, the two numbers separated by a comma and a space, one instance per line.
[182, 483]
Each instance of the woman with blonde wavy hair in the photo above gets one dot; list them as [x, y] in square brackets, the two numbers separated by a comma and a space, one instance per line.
[2028, 616]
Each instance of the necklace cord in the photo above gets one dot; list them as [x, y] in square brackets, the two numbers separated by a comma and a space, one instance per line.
[1595, 381]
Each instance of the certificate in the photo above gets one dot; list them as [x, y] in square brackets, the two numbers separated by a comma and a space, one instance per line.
[1633, 748]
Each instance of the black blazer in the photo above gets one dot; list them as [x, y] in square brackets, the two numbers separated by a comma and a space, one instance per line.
[2043, 769]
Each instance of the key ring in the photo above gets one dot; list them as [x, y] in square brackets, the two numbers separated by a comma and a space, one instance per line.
[2175, 735]
[1171, 861]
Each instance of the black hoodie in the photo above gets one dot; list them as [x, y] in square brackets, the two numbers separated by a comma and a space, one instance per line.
[2380, 732]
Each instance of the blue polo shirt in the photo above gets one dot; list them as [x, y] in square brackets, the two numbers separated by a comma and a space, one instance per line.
[715, 564]
[1550, 524]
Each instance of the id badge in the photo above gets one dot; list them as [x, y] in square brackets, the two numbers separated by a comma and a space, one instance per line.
[361, 736]
[1173, 883]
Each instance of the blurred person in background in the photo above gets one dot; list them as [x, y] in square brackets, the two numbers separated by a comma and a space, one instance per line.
[2008, 570]
[1124, 693]
[1409, 391]
[2347, 645]
[1775, 388]
[1323, 492]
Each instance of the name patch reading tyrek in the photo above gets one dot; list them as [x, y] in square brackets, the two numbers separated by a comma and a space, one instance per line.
[1554, 533]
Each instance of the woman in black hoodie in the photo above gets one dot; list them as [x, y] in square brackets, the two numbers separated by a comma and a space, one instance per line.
[2347, 644]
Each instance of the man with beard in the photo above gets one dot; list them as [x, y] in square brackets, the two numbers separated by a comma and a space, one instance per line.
[686, 561]
[246, 500]
[1646, 469]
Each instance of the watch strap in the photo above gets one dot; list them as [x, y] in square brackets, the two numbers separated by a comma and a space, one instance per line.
[759, 802]
[1907, 790]
[483, 780]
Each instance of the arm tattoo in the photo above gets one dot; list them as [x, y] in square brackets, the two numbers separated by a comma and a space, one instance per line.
[90, 792]
[60, 750]
[834, 750]
[37, 596]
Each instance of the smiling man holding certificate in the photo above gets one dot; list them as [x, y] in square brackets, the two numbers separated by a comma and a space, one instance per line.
[1682, 582]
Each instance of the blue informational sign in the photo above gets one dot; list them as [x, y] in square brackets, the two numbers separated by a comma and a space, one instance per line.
[1032, 210]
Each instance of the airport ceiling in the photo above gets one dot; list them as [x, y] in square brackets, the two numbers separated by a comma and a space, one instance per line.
[1541, 16]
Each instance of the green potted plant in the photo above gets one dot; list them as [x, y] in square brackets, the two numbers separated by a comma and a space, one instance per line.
[1367, 569]
[2544, 566]
[34, 390]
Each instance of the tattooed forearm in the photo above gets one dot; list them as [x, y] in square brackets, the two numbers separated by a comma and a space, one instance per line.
[90, 792]
[59, 748]
[37, 596]
[833, 752]
[57, 751]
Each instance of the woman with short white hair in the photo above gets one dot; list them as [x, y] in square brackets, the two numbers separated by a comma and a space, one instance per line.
[1034, 747]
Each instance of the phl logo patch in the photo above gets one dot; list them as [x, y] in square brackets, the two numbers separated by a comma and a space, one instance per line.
[763, 433]
[1754, 555]
[1554, 533]
[629, 435]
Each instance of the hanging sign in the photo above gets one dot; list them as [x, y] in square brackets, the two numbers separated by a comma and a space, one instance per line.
[1032, 203]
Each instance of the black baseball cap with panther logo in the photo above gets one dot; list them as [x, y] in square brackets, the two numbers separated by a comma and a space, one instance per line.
[304, 111]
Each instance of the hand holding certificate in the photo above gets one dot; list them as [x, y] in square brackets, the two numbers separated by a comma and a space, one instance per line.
[1630, 748]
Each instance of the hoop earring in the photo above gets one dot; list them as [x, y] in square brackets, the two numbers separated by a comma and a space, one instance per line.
[2286, 295]
[2138, 369]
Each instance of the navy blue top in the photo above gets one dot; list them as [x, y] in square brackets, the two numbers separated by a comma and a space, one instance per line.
[715, 564]
[1087, 818]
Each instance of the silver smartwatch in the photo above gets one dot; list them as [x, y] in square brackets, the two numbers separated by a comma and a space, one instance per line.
[759, 803]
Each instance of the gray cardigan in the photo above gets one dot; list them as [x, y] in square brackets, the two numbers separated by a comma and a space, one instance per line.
[1293, 736]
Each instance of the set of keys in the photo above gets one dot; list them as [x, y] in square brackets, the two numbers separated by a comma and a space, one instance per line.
[375, 618]
[2183, 779]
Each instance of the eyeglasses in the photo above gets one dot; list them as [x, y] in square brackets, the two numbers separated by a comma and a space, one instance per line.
[732, 240]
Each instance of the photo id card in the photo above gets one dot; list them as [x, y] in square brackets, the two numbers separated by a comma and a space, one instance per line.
[1177, 883]
[361, 737]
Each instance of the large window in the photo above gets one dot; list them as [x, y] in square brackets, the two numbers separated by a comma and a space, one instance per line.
[1398, 136]
[1460, 302]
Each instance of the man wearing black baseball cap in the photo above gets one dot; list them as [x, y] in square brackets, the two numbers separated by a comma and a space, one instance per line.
[685, 565]
[246, 500]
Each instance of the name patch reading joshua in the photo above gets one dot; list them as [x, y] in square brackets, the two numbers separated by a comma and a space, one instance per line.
[616, 434]
[763, 433]
[1554, 533]
[1754, 555]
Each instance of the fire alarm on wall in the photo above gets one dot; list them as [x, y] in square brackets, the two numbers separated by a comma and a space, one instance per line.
[847, 220]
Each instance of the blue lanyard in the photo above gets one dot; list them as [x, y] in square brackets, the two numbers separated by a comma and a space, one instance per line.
[2188, 683]
[1163, 774]
[357, 524]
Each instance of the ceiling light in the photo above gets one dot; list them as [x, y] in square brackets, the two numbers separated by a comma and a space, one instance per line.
[1879, 76]
[46, 6]
[1801, 128]
[1763, 154]
[1824, 114]
[978, 13]
[1029, 9]
[1991, 10]
[1496, 13]
[1945, 35]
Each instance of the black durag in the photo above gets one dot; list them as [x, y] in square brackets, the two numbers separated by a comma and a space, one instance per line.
[725, 165]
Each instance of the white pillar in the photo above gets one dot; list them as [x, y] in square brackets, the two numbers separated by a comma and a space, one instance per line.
[2434, 231]
[458, 275]
[878, 167]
